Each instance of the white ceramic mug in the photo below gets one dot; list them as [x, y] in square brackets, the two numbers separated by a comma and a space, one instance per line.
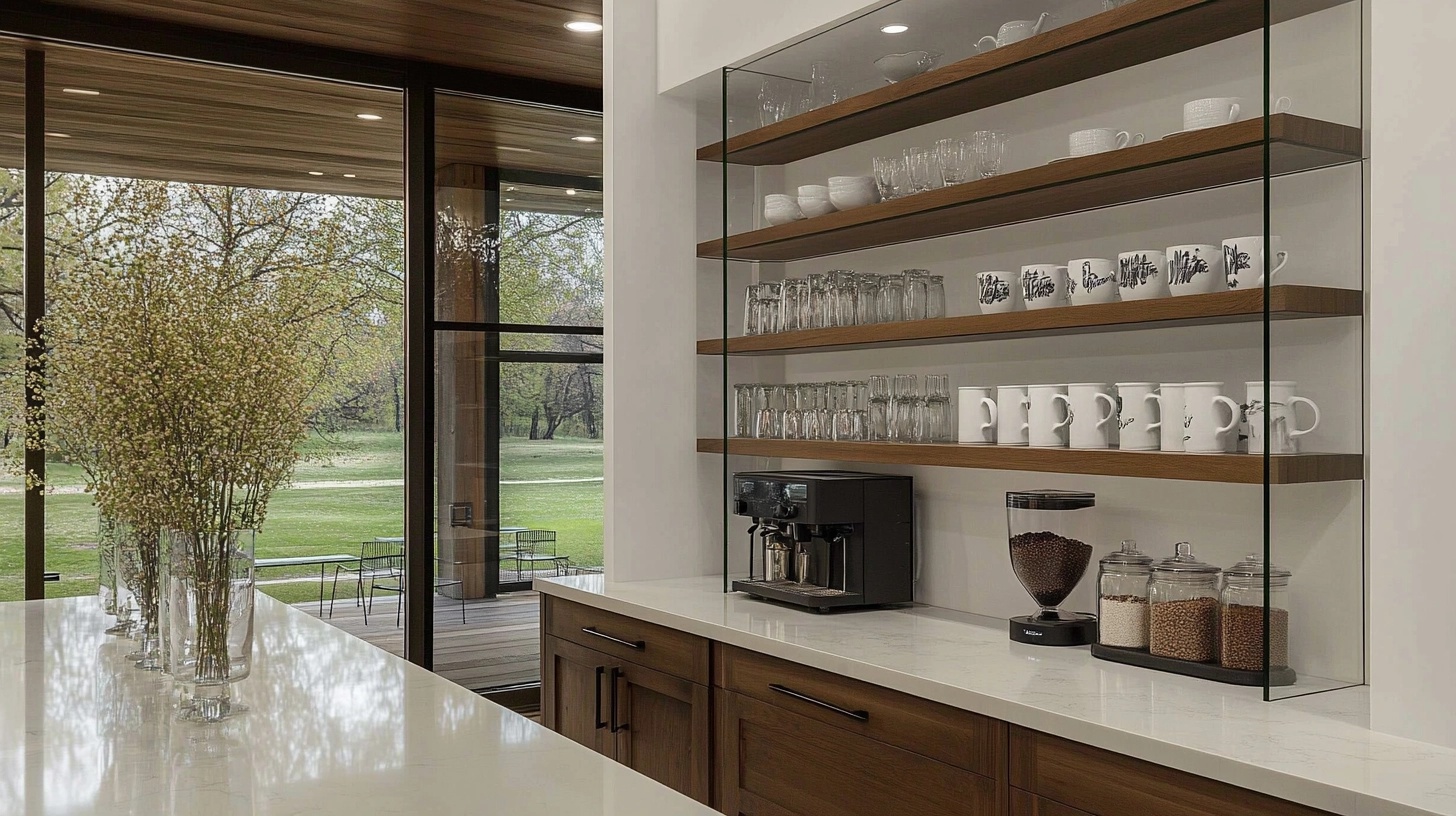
[1283, 435]
[1172, 423]
[1091, 280]
[1205, 430]
[1044, 286]
[1049, 415]
[1244, 260]
[1142, 274]
[1012, 419]
[1100, 140]
[1136, 406]
[1196, 269]
[1282, 105]
[974, 403]
[999, 292]
[1210, 112]
[1093, 428]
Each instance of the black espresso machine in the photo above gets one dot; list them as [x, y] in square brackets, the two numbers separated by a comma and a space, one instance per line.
[828, 539]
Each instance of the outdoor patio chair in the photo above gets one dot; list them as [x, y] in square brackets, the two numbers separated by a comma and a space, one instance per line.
[537, 546]
[394, 582]
[375, 560]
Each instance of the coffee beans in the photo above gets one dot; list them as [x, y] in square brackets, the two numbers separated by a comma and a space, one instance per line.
[1123, 621]
[1243, 637]
[1185, 630]
[1049, 565]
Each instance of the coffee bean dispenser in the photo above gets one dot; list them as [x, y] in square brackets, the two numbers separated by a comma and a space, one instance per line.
[1049, 531]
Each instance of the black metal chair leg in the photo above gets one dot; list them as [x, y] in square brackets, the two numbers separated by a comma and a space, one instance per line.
[462, 604]
[334, 591]
[369, 603]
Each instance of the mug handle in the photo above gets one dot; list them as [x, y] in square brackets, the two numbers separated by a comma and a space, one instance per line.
[1283, 257]
[1111, 408]
[1026, 403]
[1137, 139]
[981, 43]
[1153, 426]
[1123, 137]
[1283, 104]
[1293, 401]
[990, 411]
[1233, 410]
[1068, 421]
[1234, 112]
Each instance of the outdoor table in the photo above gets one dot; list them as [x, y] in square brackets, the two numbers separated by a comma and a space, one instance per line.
[300, 560]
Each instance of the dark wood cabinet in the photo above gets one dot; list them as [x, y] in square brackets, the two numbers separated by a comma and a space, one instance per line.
[573, 686]
[662, 727]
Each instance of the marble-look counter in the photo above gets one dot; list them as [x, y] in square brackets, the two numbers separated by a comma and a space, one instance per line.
[1316, 750]
[335, 726]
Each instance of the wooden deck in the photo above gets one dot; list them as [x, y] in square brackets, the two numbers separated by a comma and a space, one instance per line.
[498, 645]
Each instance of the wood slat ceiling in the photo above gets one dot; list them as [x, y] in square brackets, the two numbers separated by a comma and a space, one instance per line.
[182, 121]
[517, 37]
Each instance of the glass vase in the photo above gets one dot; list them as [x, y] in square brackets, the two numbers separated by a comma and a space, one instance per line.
[210, 605]
[136, 563]
[116, 596]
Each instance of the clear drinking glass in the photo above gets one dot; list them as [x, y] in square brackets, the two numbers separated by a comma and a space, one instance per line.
[820, 301]
[935, 296]
[889, 172]
[823, 425]
[792, 426]
[990, 151]
[914, 281]
[907, 402]
[776, 97]
[940, 419]
[859, 410]
[744, 410]
[866, 299]
[794, 305]
[892, 300]
[750, 310]
[824, 88]
[770, 421]
[955, 160]
[770, 295]
[843, 285]
[924, 169]
[879, 408]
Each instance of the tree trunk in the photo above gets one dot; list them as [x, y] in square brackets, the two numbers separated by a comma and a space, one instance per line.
[398, 401]
[535, 423]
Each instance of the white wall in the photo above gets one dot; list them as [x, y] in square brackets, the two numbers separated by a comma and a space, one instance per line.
[654, 525]
[1412, 347]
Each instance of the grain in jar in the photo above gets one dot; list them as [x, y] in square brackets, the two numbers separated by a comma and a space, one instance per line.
[1183, 607]
[1241, 615]
[1122, 599]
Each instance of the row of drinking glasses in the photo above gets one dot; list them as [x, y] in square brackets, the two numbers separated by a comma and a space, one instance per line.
[949, 161]
[842, 298]
[883, 409]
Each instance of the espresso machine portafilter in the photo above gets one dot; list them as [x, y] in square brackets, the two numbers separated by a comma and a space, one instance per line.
[828, 539]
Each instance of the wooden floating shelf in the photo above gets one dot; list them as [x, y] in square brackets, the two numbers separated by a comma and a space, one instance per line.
[1246, 306]
[1180, 164]
[1232, 468]
[1133, 34]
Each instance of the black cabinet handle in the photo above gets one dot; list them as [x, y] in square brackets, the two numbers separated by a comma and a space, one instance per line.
[616, 726]
[639, 645]
[601, 670]
[861, 715]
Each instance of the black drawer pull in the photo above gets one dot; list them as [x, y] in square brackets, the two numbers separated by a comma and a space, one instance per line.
[639, 645]
[617, 727]
[861, 715]
[601, 723]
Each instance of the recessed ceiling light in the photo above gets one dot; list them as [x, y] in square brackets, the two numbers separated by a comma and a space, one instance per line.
[510, 189]
[570, 192]
[58, 135]
[595, 176]
[510, 199]
[584, 139]
[584, 26]
[516, 149]
[368, 117]
[81, 91]
[350, 175]
[315, 172]
[895, 28]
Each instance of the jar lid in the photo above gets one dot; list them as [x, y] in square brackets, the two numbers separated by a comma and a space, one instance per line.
[1128, 556]
[1050, 499]
[1182, 561]
[1253, 566]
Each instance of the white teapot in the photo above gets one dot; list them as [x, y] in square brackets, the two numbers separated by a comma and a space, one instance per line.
[1014, 31]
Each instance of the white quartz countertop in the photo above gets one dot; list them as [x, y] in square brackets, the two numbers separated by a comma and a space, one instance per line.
[335, 726]
[1316, 750]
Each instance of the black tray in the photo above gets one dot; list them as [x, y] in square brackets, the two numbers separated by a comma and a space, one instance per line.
[1206, 671]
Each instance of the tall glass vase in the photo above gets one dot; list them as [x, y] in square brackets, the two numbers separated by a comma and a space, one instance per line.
[210, 604]
[136, 563]
[116, 595]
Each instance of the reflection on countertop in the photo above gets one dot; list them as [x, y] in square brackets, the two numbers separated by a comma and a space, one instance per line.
[334, 726]
[1317, 750]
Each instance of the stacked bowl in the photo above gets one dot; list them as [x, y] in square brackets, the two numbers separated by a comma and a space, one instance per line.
[849, 192]
[781, 209]
[814, 200]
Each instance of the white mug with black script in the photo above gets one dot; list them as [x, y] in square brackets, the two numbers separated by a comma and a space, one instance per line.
[1245, 258]
[1142, 274]
[998, 292]
[1196, 269]
[1091, 280]
[1044, 286]
[1283, 435]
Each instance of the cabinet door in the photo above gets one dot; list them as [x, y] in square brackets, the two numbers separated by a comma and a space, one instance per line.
[774, 762]
[661, 725]
[573, 689]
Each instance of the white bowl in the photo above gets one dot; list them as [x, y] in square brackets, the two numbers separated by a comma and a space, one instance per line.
[850, 181]
[900, 67]
[814, 207]
[848, 199]
[813, 191]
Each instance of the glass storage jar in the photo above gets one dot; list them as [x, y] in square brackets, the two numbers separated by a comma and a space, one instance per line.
[1049, 531]
[1183, 607]
[1241, 616]
[1122, 597]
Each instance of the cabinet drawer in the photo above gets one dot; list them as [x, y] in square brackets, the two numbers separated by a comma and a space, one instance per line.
[646, 644]
[950, 735]
[774, 762]
[1103, 783]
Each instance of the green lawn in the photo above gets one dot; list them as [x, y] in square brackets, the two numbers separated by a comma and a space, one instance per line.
[334, 519]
